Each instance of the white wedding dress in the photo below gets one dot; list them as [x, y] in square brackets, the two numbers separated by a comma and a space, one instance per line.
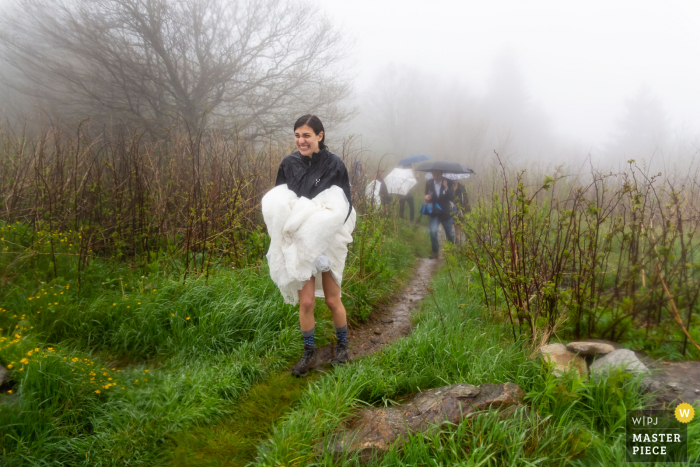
[307, 237]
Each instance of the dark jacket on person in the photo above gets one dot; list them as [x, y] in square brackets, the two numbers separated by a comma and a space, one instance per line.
[309, 176]
[384, 195]
[443, 201]
[461, 197]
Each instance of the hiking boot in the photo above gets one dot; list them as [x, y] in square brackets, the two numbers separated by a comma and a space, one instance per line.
[307, 362]
[341, 353]
[433, 256]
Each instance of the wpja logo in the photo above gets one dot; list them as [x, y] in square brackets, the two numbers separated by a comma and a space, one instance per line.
[658, 435]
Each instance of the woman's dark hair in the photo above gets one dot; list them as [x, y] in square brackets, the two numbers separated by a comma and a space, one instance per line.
[315, 124]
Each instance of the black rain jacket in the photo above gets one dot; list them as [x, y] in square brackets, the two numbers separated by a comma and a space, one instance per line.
[309, 176]
[446, 196]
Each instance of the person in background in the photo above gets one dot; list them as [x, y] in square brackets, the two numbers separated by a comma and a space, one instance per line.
[407, 199]
[461, 197]
[358, 174]
[463, 206]
[384, 196]
[438, 191]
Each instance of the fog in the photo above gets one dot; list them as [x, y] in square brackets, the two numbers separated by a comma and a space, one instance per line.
[546, 82]
[564, 80]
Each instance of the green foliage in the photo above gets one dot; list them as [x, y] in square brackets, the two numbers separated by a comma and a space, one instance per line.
[567, 421]
[180, 353]
[590, 257]
[233, 441]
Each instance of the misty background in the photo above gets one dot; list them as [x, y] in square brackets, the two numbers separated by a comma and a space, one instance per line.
[539, 82]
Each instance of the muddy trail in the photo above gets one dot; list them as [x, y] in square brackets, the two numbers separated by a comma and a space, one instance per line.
[233, 441]
[386, 323]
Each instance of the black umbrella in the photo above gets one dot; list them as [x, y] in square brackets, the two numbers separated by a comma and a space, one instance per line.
[445, 166]
[412, 160]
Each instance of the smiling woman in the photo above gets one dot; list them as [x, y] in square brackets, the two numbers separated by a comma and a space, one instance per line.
[310, 219]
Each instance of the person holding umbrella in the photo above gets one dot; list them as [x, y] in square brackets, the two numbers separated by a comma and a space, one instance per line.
[407, 199]
[406, 166]
[438, 191]
[384, 196]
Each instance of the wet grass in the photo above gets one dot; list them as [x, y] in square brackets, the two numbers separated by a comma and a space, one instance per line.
[114, 373]
[233, 442]
[235, 439]
[567, 421]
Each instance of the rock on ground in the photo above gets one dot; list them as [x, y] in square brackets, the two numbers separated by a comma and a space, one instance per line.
[675, 382]
[562, 359]
[623, 359]
[589, 348]
[374, 430]
[3, 375]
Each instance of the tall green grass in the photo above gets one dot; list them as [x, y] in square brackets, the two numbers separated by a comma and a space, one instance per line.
[566, 422]
[110, 373]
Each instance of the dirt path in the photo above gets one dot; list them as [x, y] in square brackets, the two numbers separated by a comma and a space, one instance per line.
[233, 441]
[389, 322]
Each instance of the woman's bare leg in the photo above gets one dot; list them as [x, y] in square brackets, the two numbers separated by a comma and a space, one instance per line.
[332, 293]
[307, 301]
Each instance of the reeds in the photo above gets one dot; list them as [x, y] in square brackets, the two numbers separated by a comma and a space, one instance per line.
[189, 200]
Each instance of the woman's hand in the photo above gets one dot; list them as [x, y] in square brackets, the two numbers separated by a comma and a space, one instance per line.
[427, 197]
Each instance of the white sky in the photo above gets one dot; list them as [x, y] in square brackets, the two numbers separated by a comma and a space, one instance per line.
[580, 59]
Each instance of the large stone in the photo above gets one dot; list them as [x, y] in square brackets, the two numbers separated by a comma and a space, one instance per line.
[622, 359]
[3, 375]
[562, 360]
[374, 430]
[673, 383]
[589, 348]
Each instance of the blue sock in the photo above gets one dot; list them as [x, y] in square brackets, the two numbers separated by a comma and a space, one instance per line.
[308, 336]
[342, 333]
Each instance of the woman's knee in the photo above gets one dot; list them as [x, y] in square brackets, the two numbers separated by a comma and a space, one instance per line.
[307, 304]
[334, 303]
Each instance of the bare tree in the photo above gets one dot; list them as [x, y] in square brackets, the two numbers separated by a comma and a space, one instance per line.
[251, 65]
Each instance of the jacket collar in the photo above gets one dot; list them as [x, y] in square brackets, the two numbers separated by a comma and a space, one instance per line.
[315, 157]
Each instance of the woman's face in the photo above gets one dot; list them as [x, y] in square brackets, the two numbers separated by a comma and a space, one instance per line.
[306, 140]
